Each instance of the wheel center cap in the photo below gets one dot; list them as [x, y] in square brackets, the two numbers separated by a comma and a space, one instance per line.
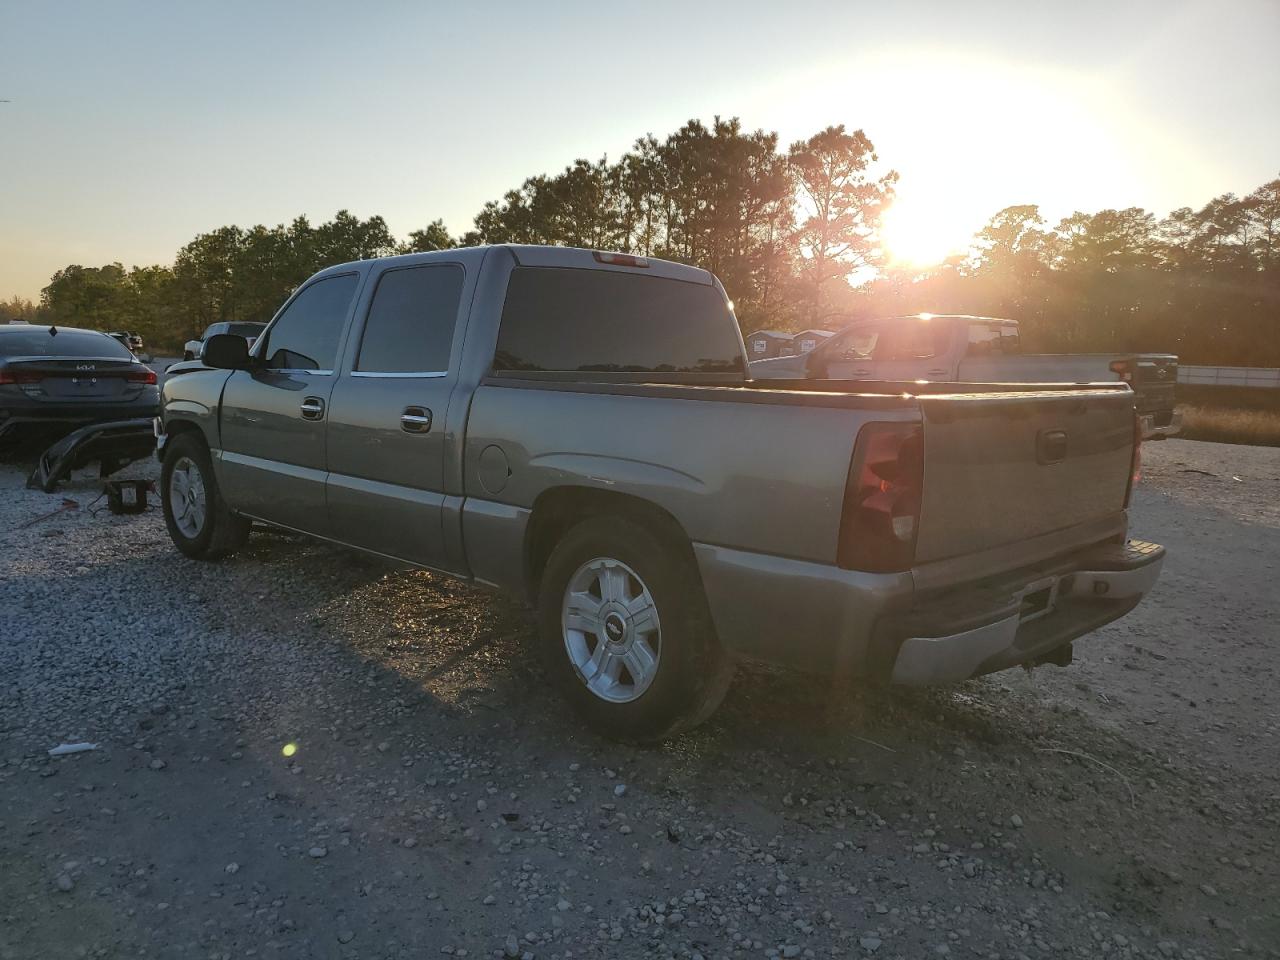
[614, 628]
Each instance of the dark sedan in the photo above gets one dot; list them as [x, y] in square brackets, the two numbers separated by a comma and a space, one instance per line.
[54, 379]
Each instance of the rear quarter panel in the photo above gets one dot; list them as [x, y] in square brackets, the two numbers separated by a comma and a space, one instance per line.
[758, 476]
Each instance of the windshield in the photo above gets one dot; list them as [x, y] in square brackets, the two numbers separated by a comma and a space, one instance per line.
[66, 343]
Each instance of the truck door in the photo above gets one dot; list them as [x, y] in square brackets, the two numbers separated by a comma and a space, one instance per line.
[273, 416]
[914, 348]
[388, 436]
[848, 354]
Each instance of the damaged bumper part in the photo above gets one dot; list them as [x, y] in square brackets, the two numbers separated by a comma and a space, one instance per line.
[984, 631]
[112, 444]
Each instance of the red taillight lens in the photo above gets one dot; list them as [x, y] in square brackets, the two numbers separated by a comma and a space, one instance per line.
[1135, 461]
[1123, 370]
[19, 376]
[882, 499]
[141, 376]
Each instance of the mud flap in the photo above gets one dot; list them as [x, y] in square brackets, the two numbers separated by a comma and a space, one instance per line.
[113, 444]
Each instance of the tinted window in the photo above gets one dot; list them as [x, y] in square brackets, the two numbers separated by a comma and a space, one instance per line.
[912, 339]
[38, 342]
[244, 329]
[855, 344]
[411, 321]
[598, 320]
[305, 336]
[988, 338]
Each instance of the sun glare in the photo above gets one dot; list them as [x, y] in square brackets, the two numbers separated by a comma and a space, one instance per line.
[919, 235]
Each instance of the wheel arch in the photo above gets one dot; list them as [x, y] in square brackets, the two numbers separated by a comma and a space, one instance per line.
[558, 509]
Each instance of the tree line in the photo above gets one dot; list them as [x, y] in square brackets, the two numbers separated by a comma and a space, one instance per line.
[785, 230]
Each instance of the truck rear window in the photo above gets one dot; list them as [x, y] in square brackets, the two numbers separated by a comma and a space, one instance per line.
[568, 320]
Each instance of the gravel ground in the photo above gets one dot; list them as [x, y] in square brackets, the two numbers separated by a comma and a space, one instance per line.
[306, 754]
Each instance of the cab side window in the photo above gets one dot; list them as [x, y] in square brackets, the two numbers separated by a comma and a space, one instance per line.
[912, 340]
[856, 344]
[992, 338]
[307, 334]
[411, 321]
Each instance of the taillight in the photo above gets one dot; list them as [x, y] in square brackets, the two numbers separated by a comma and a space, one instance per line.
[1135, 460]
[19, 376]
[146, 375]
[881, 517]
[620, 259]
[1123, 369]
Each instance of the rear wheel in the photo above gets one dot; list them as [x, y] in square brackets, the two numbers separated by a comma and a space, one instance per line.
[200, 523]
[625, 632]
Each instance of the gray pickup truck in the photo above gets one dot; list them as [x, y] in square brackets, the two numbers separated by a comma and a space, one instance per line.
[963, 349]
[579, 428]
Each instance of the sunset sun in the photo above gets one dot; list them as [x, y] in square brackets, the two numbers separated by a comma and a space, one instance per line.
[919, 235]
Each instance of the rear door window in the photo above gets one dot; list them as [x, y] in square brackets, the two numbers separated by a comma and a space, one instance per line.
[411, 321]
[564, 320]
[306, 335]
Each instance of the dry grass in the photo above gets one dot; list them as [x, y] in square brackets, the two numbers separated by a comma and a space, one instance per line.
[1231, 425]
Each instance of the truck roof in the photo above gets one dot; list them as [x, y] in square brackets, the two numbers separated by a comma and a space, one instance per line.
[543, 255]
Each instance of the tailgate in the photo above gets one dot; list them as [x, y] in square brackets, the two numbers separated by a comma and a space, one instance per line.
[1154, 377]
[1004, 467]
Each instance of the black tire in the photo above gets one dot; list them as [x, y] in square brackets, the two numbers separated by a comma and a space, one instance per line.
[693, 672]
[188, 355]
[222, 532]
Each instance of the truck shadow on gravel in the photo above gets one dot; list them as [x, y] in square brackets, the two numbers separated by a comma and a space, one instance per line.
[982, 764]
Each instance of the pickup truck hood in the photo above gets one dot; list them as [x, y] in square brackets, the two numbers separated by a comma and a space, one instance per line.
[1006, 467]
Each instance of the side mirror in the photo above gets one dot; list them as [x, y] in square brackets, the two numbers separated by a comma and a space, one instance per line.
[225, 351]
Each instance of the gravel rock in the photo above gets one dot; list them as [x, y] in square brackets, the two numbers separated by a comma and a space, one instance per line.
[784, 828]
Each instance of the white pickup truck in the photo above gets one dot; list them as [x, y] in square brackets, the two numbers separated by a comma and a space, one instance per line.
[963, 349]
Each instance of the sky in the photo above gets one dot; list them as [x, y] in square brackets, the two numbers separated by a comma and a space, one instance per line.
[132, 127]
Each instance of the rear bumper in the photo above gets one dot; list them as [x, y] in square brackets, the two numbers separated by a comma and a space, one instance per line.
[981, 631]
[937, 624]
[1160, 424]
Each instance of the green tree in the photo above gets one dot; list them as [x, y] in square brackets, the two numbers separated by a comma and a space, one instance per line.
[433, 236]
[94, 297]
[842, 209]
[19, 308]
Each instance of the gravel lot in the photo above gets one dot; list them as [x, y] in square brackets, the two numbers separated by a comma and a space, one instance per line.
[440, 800]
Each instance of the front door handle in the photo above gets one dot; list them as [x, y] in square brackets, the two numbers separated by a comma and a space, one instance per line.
[937, 373]
[415, 420]
[312, 408]
[864, 372]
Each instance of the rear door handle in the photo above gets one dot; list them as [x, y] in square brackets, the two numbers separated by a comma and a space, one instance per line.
[312, 408]
[415, 420]
[936, 373]
[864, 372]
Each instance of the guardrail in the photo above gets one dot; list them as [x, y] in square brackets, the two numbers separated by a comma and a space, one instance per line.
[1230, 376]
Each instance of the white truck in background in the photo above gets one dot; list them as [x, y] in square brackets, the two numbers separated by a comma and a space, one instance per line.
[964, 349]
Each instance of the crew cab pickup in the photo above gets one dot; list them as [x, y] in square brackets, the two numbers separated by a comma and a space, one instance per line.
[962, 349]
[579, 428]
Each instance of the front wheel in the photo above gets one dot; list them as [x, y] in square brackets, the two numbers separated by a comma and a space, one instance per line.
[200, 523]
[625, 632]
